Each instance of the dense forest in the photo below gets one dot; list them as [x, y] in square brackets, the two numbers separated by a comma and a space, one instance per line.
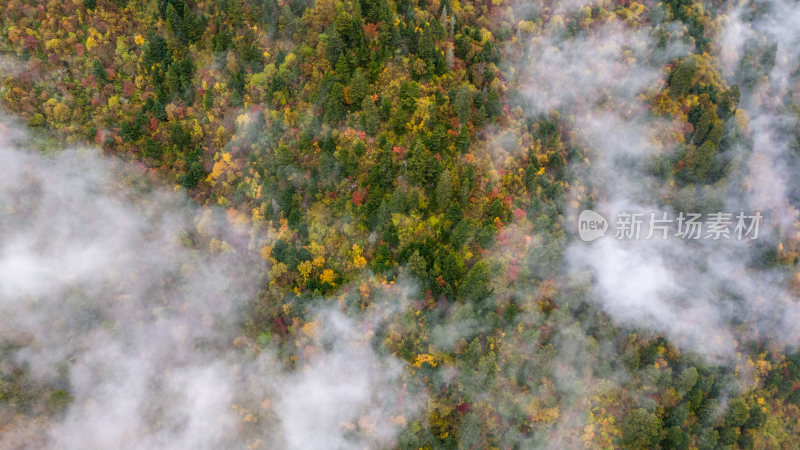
[405, 175]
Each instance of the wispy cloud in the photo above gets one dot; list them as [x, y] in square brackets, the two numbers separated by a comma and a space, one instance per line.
[105, 279]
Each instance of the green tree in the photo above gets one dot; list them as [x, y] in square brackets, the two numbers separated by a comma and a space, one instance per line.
[738, 413]
[682, 77]
[476, 283]
[334, 104]
[175, 24]
[426, 46]
[193, 174]
[417, 266]
[444, 190]
[359, 88]
[369, 117]
[463, 104]
[641, 429]
[700, 159]
[460, 234]
[493, 107]
[99, 71]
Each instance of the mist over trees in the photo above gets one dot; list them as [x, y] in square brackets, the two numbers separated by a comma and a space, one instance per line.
[335, 223]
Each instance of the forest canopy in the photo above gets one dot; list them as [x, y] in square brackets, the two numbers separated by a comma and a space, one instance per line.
[354, 223]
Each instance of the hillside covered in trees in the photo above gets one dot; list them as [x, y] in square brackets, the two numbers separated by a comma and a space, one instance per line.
[353, 224]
